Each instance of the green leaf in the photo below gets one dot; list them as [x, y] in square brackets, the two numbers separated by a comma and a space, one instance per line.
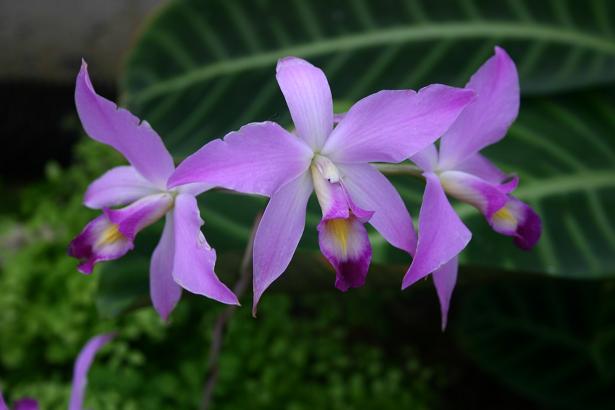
[553, 341]
[203, 68]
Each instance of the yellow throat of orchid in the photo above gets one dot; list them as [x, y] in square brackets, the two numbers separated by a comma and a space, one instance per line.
[110, 235]
[340, 230]
[504, 216]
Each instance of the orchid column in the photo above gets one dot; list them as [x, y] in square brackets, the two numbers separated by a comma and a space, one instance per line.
[264, 159]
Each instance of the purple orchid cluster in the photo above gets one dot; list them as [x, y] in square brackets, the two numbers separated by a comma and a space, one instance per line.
[82, 366]
[334, 156]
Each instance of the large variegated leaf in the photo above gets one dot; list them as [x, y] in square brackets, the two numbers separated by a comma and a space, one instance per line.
[202, 68]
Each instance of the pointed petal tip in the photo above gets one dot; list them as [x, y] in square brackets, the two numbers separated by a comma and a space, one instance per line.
[290, 60]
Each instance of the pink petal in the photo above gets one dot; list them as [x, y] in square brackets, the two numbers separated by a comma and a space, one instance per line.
[165, 293]
[26, 403]
[308, 97]
[82, 366]
[518, 220]
[488, 118]
[193, 266]
[279, 232]
[118, 186]
[426, 159]
[3, 405]
[442, 235]
[257, 159]
[140, 214]
[372, 191]
[390, 126]
[478, 165]
[103, 121]
[111, 235]
[486, 197]
[345, 244]
[445, 278]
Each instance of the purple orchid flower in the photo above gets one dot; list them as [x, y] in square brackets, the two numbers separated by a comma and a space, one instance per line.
[459, 170]
[183, 258]
[263, 158]
[82, 365]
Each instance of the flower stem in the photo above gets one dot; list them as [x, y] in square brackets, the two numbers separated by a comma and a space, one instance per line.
[396, 169]
[219, 328]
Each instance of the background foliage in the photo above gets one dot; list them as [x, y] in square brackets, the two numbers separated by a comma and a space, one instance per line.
[528, 330]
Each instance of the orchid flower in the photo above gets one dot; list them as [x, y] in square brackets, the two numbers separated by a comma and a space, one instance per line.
[183, 258]
[459, 170]
[265, 159]
[82, 365]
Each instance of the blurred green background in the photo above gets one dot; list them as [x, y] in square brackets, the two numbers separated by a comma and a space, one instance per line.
[527, 330]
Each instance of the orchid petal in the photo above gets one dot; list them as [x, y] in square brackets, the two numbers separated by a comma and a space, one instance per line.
[390, 126]
[445, 278]
[82, 366]
[487, 119]
[308, 97]
[486, 197]
[371, 190]
[104, 122]
[3, 405]
[518, 220]
[279, 232]
[426, 159]
[442, 235]
[111, 235]
[165, 293]
[140, 214]
[118, 186]
[26, 403]
[193, 267]
[99, 241]
[345, 244]
[257, 159]
[478, 165]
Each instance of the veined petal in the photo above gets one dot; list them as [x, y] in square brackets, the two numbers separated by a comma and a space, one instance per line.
[193, 267]
[371, 190]
[518, 220]
[111, 235]
[165, 293]
[279, 232]
[140, 214]
[487, 197]
[487, 119]
[308, 97]
[3, 405]
[257, 159]
[27, 403]
[390, 126]
[103, 121]
[118, 186]
[478, 165]
[426, 159]
[442, 235]
[99, 241]
[82, 366]
[345, 244]
[445, 278]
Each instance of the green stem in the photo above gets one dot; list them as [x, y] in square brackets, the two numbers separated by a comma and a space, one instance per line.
[399, 169]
